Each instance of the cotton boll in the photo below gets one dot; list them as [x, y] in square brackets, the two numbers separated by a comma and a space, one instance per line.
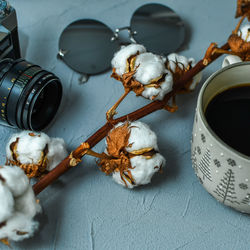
[179, 64]
[35, 152]
[133, 154]
[244, 32]
[16, 212]
[179, 60]
[15, 179]
[6, 203]
[119, 60]
[29, 146]
[146, 75]
[57, 152]
[143, 170]
[150, 68]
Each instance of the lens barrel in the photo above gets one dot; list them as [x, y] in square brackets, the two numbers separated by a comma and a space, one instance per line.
[29, 95]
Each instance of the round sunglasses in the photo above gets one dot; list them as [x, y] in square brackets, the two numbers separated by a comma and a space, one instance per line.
[87, 46]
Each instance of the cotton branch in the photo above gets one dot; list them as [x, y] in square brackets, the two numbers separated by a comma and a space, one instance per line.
[75, 156]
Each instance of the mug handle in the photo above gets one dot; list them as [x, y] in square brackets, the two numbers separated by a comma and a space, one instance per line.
[230, 60]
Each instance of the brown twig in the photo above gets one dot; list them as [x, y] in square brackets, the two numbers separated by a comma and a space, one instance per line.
[64, 166]
[112, 111]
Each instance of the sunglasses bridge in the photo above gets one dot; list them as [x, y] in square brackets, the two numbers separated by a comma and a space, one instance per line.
[130, 34]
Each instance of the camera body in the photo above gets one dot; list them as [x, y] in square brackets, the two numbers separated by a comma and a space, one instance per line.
[29, 95]
[9, 41]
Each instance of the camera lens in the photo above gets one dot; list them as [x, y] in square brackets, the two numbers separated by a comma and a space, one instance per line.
[29, 95]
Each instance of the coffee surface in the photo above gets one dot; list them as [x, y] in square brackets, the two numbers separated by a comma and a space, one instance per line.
[228, 114]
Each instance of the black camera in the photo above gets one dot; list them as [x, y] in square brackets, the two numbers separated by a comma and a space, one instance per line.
[29, 95]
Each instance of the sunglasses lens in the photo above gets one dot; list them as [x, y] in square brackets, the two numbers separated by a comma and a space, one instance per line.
[158, 28]
[86, 46]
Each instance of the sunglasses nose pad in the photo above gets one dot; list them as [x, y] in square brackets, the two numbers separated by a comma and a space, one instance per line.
[86, 47]
[158, 28]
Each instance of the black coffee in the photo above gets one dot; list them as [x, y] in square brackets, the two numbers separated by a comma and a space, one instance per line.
[228, 114]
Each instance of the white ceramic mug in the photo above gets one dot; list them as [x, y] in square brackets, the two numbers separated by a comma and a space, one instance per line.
[223, 171]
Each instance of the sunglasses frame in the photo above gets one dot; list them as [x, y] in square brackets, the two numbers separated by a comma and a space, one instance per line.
[131, 36]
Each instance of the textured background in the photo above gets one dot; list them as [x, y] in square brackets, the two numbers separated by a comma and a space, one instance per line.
[87, 210]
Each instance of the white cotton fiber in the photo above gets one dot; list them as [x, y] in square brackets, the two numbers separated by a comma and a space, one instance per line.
[141, 136]
[143, 170]
[182, 61]
[16, 211]
[119, 60]
[244, 32]
[19, 227]
[57, 152]
[6, 203]
[158, 93]
[150, 68]
[16, 181]
[27, 203]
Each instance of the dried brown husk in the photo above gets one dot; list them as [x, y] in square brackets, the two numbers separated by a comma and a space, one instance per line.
[129, 82]
[243, 8]
[240, 46]
[33, 135]
[178, 73]
[117, 141]
[127, 78]
[118, 159]
[5, 241]
[31, 170]
[21, 233]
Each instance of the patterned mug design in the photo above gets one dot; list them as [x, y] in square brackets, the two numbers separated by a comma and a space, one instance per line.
[224, 172]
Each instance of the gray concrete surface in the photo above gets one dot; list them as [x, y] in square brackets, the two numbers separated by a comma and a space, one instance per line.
[85, 209]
